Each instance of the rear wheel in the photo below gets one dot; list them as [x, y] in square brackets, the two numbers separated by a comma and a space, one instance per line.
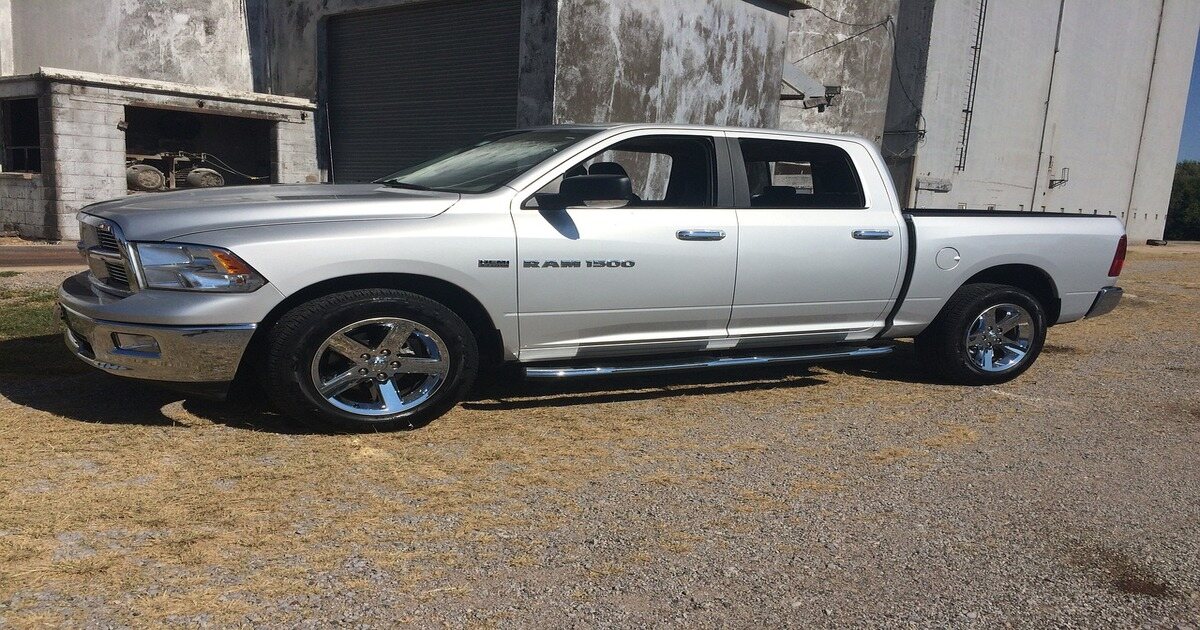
[371, 359]
[987, 333]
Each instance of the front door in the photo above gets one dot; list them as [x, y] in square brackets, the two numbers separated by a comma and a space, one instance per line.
[655, 274]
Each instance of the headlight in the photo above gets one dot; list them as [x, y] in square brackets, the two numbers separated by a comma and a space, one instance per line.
[195, 268]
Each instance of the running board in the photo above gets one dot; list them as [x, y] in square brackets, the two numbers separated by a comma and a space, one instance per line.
[705, 362]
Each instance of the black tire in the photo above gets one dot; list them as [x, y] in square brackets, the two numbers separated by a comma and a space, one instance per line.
[293, 342]
[943, 346]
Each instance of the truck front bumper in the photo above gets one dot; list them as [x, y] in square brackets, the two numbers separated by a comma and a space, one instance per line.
[1106, 300]
[203, 357]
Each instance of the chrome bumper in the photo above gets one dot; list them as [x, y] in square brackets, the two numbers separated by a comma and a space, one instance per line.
[1106, 300]
[178, 354]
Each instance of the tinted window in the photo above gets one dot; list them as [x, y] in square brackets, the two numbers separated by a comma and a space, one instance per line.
[787, 174]
[665, 171]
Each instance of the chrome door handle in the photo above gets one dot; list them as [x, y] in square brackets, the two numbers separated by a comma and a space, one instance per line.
[700, 235]
[872, 235]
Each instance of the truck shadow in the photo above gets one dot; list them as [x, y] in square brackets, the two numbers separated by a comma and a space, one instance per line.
[39, 373]
[902, 366]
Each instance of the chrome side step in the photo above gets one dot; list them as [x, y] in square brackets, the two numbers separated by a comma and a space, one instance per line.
[705, 362]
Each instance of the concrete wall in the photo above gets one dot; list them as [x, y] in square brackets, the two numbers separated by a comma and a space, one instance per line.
[88, 154]
[704, 61]
[862, 66]
[201, 42]
[22, 204]
[295, 155]
[1037, 111]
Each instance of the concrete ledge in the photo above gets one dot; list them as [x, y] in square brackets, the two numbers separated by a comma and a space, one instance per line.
[164, 87]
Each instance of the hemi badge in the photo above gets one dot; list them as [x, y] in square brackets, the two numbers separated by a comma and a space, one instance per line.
[499, 264]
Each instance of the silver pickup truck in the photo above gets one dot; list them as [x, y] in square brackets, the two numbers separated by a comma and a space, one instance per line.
[570, 251]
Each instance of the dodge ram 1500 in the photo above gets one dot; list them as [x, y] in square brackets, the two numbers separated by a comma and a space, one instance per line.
[570, 251]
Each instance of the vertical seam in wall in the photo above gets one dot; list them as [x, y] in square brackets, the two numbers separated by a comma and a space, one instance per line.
[554, 62]
[1137, 156]
[1037, 174]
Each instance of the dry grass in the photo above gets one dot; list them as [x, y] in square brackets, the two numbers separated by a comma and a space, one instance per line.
[149, 510]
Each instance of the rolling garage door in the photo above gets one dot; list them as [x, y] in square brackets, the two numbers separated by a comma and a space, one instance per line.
[405, 84]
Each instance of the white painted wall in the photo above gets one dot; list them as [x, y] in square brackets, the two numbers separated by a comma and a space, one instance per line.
[1097, 106]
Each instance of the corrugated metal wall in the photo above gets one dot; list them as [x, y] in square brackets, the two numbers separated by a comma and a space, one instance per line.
[407, 83]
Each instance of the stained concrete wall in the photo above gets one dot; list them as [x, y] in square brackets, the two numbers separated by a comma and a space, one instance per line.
[201, 42]
[1114, 124]
[705, 61]
[849, 46]
[904, 122]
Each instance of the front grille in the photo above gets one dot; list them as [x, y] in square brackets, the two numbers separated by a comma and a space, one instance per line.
[106, 240]
[117, 275]
[110, 270]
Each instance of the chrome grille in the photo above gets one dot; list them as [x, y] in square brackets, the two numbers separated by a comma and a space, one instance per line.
[117, 275]
[102, 244]
[106, 240]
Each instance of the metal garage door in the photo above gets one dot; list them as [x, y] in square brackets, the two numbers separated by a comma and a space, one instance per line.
[407, 83]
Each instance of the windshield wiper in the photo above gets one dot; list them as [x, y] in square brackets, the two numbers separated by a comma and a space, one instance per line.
[404, 185]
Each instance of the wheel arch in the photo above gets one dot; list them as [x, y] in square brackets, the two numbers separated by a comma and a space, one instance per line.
[454, 297]
[1028, 277]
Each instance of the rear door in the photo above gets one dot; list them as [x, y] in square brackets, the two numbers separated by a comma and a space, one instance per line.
[654, 275]
[820, 245]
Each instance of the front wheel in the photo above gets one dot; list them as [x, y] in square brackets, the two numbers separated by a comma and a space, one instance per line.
[370, 359]
[987, 333]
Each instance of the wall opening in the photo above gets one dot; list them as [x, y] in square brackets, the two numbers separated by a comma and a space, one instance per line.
[21, 135]
[169, 149]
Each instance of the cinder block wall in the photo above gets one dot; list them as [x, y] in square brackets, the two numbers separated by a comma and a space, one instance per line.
[22, 204]
[295, 155]
[88, 150]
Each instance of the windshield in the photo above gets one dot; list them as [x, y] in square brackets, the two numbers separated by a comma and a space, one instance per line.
[487, 164]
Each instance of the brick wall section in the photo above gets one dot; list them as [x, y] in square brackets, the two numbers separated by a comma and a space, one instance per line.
[88, 149]
[22, 204]
[295, 155]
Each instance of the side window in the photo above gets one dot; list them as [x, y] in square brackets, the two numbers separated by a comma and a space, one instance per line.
[664, 171]
[789, 174]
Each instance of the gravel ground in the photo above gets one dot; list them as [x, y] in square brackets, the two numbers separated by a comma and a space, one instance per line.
[830, 496]
[38, 278]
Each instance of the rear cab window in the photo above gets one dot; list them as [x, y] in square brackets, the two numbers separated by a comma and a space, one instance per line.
[800, 175]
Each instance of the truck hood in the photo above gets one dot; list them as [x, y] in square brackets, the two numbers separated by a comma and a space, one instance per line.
[162, 216]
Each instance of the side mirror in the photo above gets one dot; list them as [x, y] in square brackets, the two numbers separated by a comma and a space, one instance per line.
[596, 191]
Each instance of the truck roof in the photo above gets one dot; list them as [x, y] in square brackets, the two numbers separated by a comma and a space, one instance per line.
[640, 126]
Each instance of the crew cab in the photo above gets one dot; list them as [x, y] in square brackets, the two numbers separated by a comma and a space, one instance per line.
[570, 251]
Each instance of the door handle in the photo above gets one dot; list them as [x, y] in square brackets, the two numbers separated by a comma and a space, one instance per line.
[872, 235]
[700, 235]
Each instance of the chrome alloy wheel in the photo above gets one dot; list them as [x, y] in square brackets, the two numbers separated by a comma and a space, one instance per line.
[1000, 337]
[380, 366]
